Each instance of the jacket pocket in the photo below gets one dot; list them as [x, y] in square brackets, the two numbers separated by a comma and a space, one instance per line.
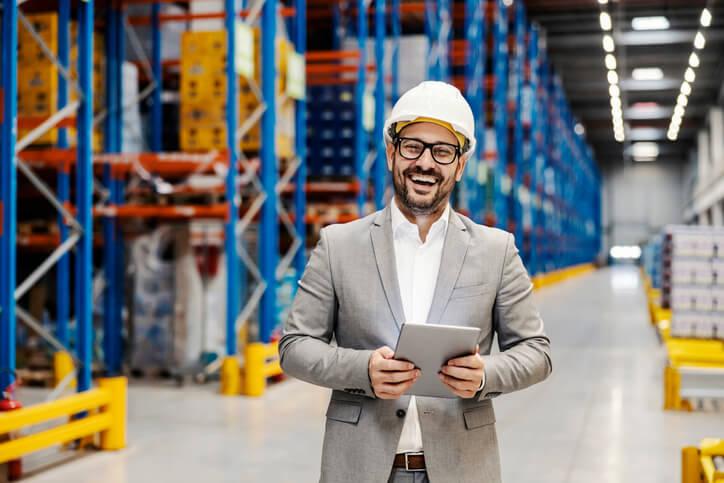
[470, 291]
[479, 416]
[344, 411]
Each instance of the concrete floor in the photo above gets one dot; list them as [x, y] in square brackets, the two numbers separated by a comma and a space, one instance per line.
[597, 419]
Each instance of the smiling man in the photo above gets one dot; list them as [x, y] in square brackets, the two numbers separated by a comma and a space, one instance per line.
[415, 261]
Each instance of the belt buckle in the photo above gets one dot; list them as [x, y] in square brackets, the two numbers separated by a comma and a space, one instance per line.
[407, 461]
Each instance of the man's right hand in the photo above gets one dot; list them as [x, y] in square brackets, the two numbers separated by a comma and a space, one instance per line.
[390, 378]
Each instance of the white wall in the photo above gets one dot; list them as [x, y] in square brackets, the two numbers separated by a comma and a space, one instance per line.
[639, 199]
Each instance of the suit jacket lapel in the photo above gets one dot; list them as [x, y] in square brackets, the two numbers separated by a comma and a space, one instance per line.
[453, 255]
[384, 251]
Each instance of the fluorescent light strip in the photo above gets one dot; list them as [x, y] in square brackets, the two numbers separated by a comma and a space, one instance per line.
[614, 91]
[682, 99]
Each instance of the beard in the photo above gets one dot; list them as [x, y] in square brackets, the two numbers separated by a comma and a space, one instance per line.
[421, 204]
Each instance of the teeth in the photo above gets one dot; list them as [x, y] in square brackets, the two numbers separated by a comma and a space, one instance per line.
[423, 179]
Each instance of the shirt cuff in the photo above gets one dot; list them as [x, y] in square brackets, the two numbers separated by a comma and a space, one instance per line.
[482, 383]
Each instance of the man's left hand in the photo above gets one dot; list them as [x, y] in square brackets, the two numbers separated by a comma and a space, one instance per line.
[463, 375]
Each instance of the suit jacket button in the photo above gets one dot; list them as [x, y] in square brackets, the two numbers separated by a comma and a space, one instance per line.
[401, 413]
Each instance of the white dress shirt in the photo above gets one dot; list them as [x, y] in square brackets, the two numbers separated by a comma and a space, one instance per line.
[417, 266]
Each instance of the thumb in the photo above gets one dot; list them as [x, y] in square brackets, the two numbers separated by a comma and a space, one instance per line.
[386, 352]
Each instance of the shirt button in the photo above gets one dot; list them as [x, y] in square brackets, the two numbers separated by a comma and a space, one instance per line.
[401, 413]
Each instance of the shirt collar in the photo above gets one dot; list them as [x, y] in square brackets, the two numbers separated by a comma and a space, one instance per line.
[401, 224]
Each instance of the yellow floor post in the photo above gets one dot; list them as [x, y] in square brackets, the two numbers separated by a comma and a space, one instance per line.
[690, 467]
[115, 437]
[254, 369]
[230, 376]
[62, 366]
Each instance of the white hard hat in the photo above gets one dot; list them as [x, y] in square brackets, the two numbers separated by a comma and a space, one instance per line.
[434, 100]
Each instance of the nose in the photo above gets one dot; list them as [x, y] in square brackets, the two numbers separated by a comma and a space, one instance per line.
[425, 161]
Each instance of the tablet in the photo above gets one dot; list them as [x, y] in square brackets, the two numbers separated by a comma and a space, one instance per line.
[429, 347]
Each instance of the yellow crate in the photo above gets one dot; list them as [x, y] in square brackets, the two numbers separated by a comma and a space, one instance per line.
[37, 103]
[210, 45]
[47, 139]
[202, 89]
[196, 115]
[44, 24]
[203, 138]
[38, 78]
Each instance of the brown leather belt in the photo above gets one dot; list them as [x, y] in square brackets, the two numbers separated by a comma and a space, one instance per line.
[410, 461]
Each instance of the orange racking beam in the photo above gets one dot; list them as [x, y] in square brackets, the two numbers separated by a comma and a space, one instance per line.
[185, 17]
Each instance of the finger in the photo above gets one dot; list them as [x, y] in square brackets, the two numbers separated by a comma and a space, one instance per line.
[396, 390]
[386, 352]
[394, 365]
[398, 376]
[457, 383]
[466, 394]
[462, 373]
[474, 361]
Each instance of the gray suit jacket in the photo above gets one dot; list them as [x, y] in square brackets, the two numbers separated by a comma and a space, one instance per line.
[349, 293]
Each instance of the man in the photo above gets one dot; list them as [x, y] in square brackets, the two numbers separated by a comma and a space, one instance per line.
[414, 261]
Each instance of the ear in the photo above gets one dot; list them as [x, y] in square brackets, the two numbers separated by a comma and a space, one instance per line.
[390, 151]
[460, 168]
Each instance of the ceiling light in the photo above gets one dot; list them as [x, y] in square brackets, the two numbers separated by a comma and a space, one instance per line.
[682, 100]
[616, 112]
[671, 136]
[685, 88]
[603, 2]
[616, 102]
[605, 20]
[614, 91]
[610, 61]
[694, 60]
[699, 41]
[647, 73]
[650, 23]
[679, 110]
[705, 18]
[689, 75]
[612, 77]
[619, 137]
[675, 123]
[645, 149]
[578, 128]
[608, 44]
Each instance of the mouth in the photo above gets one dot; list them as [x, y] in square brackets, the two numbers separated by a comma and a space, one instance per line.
[423, 180]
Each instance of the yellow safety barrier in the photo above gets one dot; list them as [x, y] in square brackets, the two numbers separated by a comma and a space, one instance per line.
[261, 361]
[62, 367]
[106, 408]
[698, 465]
[557, 276]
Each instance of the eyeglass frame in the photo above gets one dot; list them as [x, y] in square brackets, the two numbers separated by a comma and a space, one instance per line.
[426, 146]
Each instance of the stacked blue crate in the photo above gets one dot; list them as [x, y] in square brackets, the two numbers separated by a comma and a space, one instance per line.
[331, 130]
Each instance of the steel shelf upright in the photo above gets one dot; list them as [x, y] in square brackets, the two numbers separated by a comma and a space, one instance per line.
[535, 156]
[438, 27]
[500, 181]
[63, 187]
[84, 196]
[471, 198]
[299, 29]
[113, 249]
[517, 109]
[8, 192]
[380, 164]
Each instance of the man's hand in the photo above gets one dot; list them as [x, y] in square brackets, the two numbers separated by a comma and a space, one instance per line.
[463, 375]
[390, 378]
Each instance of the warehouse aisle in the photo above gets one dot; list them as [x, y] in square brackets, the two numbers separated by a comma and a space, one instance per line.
[597, 419]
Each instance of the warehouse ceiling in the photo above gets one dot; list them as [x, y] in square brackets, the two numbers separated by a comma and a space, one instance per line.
[574, 39]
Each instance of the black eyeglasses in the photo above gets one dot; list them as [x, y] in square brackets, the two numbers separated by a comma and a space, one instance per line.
[442, 153]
